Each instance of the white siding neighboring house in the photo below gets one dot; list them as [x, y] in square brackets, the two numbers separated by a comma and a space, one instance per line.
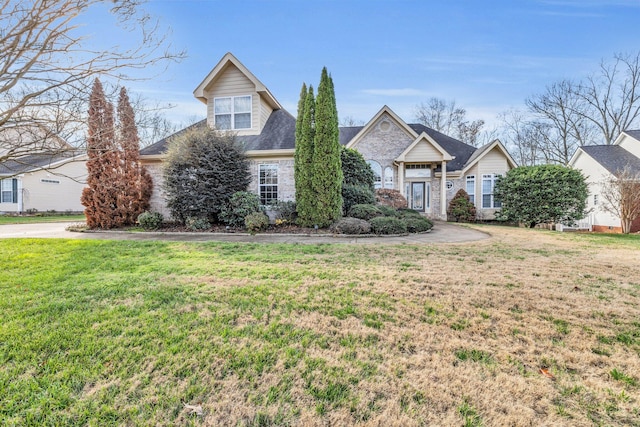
[42, 182]
[600, 163]
[426, 166]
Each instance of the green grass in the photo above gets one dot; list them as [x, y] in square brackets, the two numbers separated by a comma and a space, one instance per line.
[126, 333]
[10, 219]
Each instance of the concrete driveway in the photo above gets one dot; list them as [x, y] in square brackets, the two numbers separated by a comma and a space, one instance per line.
[442, 232]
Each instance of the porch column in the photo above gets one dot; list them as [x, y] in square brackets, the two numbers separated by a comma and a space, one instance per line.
[401, 179]
[443, 191]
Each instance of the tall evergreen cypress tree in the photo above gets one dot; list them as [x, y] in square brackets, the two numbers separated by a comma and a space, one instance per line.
[298, 158]
[327, 168]
[305, 198]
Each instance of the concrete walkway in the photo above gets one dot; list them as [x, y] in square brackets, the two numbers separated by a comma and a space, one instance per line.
[442, 233]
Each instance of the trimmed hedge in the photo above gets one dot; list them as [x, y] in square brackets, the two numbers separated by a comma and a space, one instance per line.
[461, 209]
[356, 195]
[150, 220]
[240, 204]
[351, 226]
[417, 224]
[197, 224]
[388, 225]
[366, 212]
[256, 221]
[406, 212]
[388, 211]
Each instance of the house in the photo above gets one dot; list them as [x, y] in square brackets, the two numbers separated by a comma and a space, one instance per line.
[599, 163]
[39, 171]
[42, 182]
[426, 166]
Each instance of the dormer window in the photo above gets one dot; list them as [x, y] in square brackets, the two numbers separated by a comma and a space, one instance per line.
[232, 112]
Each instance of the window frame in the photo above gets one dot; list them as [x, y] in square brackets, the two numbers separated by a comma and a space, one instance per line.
[232, 112]
[491, 178]
[268, 191]
[388, 178]
[471, 179]
[12, 191]
[377, 174]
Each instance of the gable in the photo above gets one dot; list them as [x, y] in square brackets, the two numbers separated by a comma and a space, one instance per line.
[630, 141]
[384, 137]
[423, 151]
[490, 158]
[230, 82]
[592, 170]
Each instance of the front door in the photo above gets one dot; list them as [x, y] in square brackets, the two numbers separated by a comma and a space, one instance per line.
[417, 196]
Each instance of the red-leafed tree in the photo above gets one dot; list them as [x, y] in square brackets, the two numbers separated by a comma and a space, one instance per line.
[100, 197]
[119, 188]
[135, 181]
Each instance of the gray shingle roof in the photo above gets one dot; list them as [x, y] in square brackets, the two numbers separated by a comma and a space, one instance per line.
[33, 162]
[612, 157]
[634, 133]
[279, 133]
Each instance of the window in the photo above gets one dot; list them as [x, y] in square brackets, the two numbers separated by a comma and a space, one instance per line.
[418, 170]
[595, 200]
[377, 173]
[471, 188]
[488, 183]
[233, 112]
[268, 185]
[388, 177]
[9, 191]
[449, 185]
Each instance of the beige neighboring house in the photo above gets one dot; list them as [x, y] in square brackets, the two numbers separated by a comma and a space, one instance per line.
[599, 163]
[39, 176]
[426, 166]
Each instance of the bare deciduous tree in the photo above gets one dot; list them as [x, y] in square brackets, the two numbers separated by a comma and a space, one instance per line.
[446, 117]
[569, 114]
[349, 121]
[47, 68]
[612, 96]
[621, 196]
[560, 112]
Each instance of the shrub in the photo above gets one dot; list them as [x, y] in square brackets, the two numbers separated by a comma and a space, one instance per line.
[240, 204]
[356, 195]
[388, 225]
[286, 211]
[406, 212]
[355, 169]
[256, 221]
[417, 224]
[460, 208]
[150, 220]
[197, 224]
[392, 198]
[365, 212]
[351, 226]
[203, 169]
[388, 211]
[542, 194]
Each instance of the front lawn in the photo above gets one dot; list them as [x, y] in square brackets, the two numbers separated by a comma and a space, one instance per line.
[29, 219]
[528, 328]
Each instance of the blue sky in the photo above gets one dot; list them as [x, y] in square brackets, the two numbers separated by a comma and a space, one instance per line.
[488, 56]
